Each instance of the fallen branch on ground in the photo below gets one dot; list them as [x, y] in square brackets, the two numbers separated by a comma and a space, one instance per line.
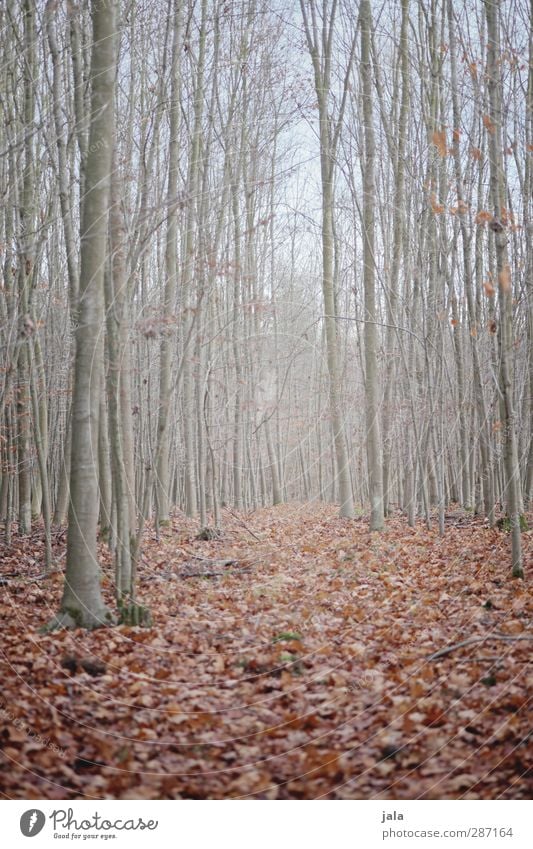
[243, 524]
[473, 640]
[208, 568]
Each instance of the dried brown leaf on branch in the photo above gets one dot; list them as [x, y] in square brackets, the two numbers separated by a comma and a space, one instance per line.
[439, 140]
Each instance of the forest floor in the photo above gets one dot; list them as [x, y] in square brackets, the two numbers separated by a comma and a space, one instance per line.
[300, 671]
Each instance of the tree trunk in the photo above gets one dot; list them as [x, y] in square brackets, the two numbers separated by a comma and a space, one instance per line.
[82, 602]
[171, 270]
[372, 389]
[320, 49]
[505, 293]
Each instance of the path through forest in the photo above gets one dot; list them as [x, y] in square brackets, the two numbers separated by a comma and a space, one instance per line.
[288, 659]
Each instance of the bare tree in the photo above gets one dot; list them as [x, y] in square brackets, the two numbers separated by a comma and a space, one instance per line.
[82, 602]
[320, 40]
[493, 124]
[372, 388]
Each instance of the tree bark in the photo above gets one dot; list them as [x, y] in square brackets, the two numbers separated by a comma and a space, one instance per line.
[505, 294]
[82, 603]
[372, 388]
[320, 49]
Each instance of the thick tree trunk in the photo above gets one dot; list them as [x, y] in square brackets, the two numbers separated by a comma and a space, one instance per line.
[82, 602]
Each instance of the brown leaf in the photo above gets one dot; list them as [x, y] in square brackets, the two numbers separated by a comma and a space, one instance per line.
[437, 208]
[488, 124]
[504, 279]
[439, 140]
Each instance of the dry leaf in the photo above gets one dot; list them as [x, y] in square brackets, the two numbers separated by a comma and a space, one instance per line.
[439, 140]
[504, 278]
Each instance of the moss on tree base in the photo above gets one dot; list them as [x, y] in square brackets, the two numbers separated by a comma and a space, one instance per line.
[131, 613]
[208, 534]
[504, 524]
[75, 617]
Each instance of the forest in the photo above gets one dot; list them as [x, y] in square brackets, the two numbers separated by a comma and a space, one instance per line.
[266, 399]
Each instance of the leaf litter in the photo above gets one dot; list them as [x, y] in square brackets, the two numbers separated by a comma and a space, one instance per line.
[294, 664]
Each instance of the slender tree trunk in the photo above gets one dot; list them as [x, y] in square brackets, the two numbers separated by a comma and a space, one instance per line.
[320, 49]
[505, 293]
[25, 273]
[115, 286]
[40, 436]
[398, 236]
[528, 226]
[372, 389]
[171, 270]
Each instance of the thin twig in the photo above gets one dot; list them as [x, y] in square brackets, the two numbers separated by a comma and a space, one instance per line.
[473, 640]
[244, 525]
